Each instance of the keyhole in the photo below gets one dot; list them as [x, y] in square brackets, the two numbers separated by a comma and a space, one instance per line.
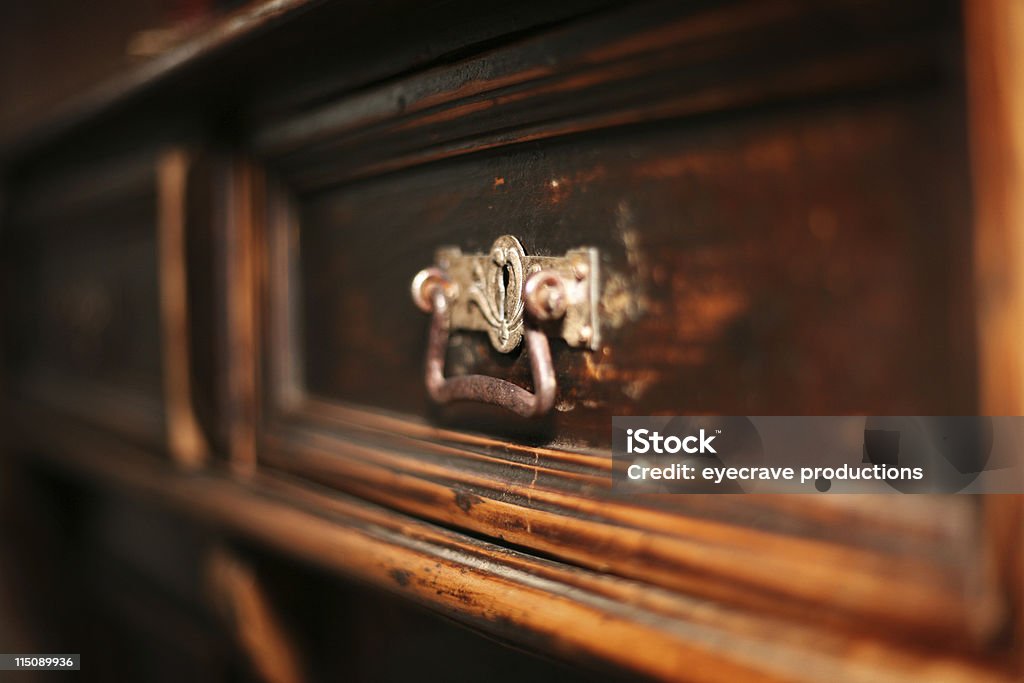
[506, 275]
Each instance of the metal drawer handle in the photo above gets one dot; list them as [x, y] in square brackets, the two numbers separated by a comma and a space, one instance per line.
[510, 296]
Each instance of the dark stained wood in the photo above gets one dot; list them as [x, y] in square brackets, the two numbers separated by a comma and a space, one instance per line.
[652, 61]
[994, 54]
[99, 257]
[83, 46]
[85, 324]
[331, 47]
[774, 266]
[775, 261]
[241, 255]
[252, 617]
[185, 442]
[890, 572]
[994, 32]
[119, 86]
[795, 215]
[572, 612]
[823, 234]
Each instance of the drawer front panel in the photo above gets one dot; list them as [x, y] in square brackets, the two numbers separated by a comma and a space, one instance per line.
[782, 265]
[758, 254]
[87, 271]
[770, 241]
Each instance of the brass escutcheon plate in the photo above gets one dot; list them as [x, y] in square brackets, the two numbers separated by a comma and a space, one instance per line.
[488, 293]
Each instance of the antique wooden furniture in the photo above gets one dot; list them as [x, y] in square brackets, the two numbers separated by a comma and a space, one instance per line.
[215, 413]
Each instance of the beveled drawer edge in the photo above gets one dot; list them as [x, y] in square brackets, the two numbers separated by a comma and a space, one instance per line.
[573, 613]
[185, 440]
[316, 440]
[100, 99]
[554, 84]
[166, 414]
[894, 591]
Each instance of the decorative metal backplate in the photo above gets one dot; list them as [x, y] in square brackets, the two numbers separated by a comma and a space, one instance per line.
[489, 292]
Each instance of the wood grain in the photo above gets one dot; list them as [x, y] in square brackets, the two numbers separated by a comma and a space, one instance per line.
[651, 61]
[782, 197]
[570, 612]
[768, 266]
[912, 570]
[759, 257]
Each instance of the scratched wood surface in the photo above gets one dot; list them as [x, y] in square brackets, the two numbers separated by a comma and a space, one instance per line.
[770, 245]
[780, 195]
[716, 286]
[775, 262]
[777, 265]
[592, 618]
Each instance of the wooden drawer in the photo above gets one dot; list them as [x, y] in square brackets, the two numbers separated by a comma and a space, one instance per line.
[87, 268]
[743, 270]
[775, 227]
[768, 261]
[99, 327]
[777, 197]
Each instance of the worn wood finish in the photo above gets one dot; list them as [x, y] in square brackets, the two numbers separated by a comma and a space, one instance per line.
[994, 32]
[222, 265]
[575, 613]
[741, 275]
[824, 234]
[911, 570]
[185, 441]
[778, 263]
[997, 139]
[780, 195]
[101, 253]
[652, 61]
[332, 47]
[34, 127]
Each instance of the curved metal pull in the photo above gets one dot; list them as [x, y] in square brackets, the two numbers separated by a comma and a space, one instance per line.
[480, 387]
[510, 296]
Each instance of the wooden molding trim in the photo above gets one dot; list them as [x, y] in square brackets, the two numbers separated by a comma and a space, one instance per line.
[236, 588]
[579, 614]
[768, 554]
[226, 31]
[240, 257]
[185, 441]
[995, 60]
[664, 63]
[995, 57]
[917, 576]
